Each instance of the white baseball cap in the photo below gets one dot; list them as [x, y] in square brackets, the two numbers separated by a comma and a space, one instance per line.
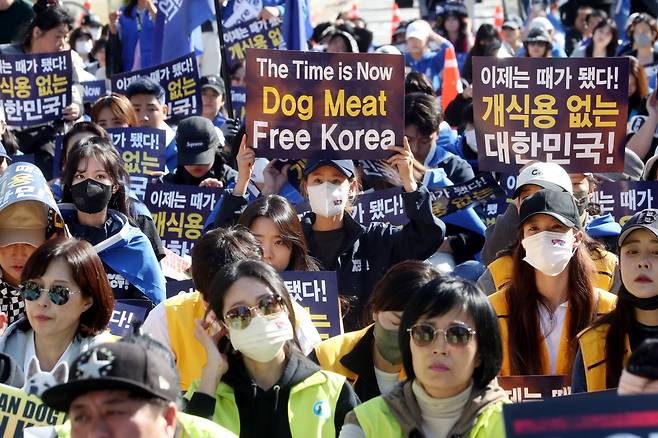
[419, 29]
[542, 23]
[546, 175]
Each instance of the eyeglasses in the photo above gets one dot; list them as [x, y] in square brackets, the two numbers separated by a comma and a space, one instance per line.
[59, 295]
[239, 317]
[425, 334]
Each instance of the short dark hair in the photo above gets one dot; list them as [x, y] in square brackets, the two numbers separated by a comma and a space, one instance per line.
[145, 85]
[423, 111]
[417, 82]
[87, 271]
[438, 297]
[217, 248]
[399, 285]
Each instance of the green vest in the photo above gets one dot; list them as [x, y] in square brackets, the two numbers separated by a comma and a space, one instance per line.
[376, 420]
[311, 406]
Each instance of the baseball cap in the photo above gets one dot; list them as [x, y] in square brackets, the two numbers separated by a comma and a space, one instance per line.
[646, 219]
[23, 222]
[547, 175]
[346, 167]
[213, 81]
[560, 205]
[542, 23]
[91, 20]
[537, 35]
[513, 22]
[419, 29]
[197, 141]
[116, 366]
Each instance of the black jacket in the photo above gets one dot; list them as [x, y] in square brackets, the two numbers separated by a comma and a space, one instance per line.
[220, 171]
[265, 413]
[368, 252]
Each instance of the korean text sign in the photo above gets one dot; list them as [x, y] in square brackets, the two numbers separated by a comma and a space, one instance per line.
[179, 79]
[318, 293]
[179, 213]
[568, 111]
[19, 410]
[622, 199]
[329, 105]
[254, 33]
[143, 151]
[93, 90]
[535, 388]
[35, 89]
[125, 314]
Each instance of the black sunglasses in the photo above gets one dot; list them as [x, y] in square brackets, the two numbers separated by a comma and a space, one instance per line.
[59, 295]
[425, 334]
[239, 317]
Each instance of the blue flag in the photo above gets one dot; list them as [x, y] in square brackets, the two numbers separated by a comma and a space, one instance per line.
[175, 23]
[297, 27]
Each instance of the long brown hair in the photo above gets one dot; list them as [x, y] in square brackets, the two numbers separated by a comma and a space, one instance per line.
[523, 301]
[120, 107]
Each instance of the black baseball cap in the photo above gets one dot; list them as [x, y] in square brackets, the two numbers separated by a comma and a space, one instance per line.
[560, 205]
[213, 81]
[346, 167]
[116, 366]
[91, 20]
[646, 219]
[197, 141]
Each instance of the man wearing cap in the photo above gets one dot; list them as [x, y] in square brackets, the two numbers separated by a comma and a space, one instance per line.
[200, 162]
[543, 26]
[512, 43]
[502, 235]
[125, 389]
[213, 99]
[418, 55]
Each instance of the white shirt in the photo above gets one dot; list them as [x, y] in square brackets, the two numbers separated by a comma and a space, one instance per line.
[386, 381]
[551, 325]
[30, 352]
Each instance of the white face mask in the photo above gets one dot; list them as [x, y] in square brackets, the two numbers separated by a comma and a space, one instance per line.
[327, 199]
[84, 47]
[549, 251]
[95, 32]
[263, 338]
[469, 137]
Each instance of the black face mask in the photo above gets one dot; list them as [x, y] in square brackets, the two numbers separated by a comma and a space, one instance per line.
[640, 303]
[90, 196]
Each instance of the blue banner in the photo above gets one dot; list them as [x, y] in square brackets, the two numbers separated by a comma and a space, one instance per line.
[179, 287]
[622, 199]
[317, 292]
[255, 33]
[93, 90]
[35, 89]
[239, 99]
[124, 315]
[179, 79]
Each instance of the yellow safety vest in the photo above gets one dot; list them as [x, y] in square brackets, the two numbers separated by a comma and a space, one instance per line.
[189, 426]
[376, 420]
[606, 302]
[311, 406]
[592, 347]
[331, 351]
[605, 262]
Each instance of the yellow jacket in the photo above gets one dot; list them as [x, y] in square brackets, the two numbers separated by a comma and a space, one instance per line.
[605, 262]
[606, 302]
[592, 347]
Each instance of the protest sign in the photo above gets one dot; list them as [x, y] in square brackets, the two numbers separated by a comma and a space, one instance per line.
[175, 266]
[622, 199]
[318, 293]
[179, 213]
[576, 417]
[35, 89]
[239, 99]
[19, 410]
[453, 198]
[179, 79]
[535, 388]
[380, 206]
[254, 33]
[568, 111]
[93, 90]
[125, 313]
[143, 151]
[329, 105]
[179, 287]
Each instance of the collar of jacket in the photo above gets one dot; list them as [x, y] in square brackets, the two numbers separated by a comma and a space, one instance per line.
[360, 360]
[404, 407]
[353, 229]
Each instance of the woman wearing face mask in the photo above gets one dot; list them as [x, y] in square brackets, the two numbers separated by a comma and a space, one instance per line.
[82, 42]
[371, 358]
[255, 377]
[450, 345]
[550, 298]
[68, 305]
[95, 209]
[607, 345]
[643, 34]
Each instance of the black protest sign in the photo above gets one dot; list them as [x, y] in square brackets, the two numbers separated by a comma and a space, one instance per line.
[622, 199]
[125, 314]
[254, 33]
[329, 105]
[567, 111]
[93, 90]
[535, 388]
[35, 89]
[450, 199]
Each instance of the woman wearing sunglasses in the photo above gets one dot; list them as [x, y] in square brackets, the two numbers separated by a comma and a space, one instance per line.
[255, 377]
[451, 353]
[68, 303]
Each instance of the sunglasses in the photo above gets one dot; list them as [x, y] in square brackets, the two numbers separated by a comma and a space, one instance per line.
[425, 334]
[239, 317]
[59, 295]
